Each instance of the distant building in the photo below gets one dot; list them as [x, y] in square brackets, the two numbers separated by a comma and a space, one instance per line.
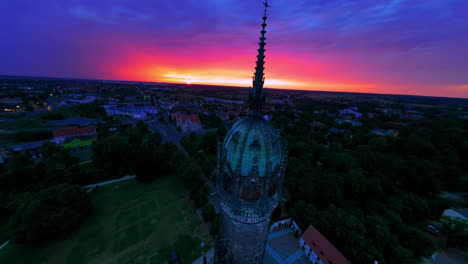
[223, 115]
[413, 115]
[350, 112]
[319, 249]
[212, 99]
[345, 132]
[352, 122]
[457, 213]
[86, 100]
[188, 123]
[11, 105]
[187, 108]
[385, 132]
[4, 155]
[30, 149]
[75, 136]
[140, 111]
[316, 125]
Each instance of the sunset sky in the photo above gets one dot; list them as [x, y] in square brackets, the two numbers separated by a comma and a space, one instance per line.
[380, 46]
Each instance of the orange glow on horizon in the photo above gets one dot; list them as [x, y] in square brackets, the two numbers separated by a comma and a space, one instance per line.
[145, 70]
[282, 73]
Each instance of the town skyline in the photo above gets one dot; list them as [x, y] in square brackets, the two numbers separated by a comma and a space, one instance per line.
[387, 47]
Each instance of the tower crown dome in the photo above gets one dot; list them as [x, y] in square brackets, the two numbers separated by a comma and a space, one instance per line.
[252, 148]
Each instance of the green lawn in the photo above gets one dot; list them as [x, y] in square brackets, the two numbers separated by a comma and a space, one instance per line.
[22, 124]
[76, 143]
[133, 223]
[3, 232]
[84, 155]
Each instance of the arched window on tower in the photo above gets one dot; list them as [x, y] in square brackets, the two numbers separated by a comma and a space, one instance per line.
[255, 146]
[251, 191]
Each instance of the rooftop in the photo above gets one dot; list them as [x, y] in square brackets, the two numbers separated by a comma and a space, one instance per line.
[322, 247]
[73, 131]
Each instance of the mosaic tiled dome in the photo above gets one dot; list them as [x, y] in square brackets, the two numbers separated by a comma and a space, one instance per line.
[253, 148]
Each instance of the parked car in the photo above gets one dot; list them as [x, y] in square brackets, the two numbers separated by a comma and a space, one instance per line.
[174, 258]
[432, 230]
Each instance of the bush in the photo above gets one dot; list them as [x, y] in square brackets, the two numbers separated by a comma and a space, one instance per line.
[52, 212]
[208, 212]
[201, 197]
[33, 135]
[53, 116]
[214, 228]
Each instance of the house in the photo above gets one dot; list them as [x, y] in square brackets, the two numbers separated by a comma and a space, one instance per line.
[11, 105]
[223, 115]
[319, 249]
[352, 122]
[30, 149]
[78, 100]
[212, 99]
[385, 132]
[457, 213]
[188, 123]
[350, 112]
[74, 136]
[4, 155]
[316, 125]
[139, 111]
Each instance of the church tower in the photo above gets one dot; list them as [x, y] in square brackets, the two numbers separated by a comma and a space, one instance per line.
[251, 165]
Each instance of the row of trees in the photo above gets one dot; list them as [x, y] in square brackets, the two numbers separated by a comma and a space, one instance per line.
[136, 151]
[372, 196]
[43, 199]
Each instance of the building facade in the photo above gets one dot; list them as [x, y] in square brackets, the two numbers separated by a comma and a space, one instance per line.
[187, 123]
[319, 250]
[251, 165]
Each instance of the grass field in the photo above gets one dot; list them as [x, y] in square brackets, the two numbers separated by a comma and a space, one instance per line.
[22, 124]
[132, 223]
[3, 232]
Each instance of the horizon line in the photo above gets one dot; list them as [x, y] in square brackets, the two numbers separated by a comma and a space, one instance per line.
[191, 84]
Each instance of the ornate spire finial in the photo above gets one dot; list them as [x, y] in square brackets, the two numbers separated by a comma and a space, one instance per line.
[256, 95]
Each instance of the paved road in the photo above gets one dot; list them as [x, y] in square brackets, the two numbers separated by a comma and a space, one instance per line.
[168, 132]
[275, 255]
[4, 244]
[126, 178]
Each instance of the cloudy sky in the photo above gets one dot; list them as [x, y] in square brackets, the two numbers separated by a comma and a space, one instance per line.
[382, 46]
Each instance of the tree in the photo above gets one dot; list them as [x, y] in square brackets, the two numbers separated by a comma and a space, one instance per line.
[113, 155]
[47, 214]
[17, 174]
[457, 232]
[208, 212]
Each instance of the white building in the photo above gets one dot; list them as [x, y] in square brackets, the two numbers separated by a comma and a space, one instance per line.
[350, 112]
[319, 249]
[188, 123]
[136, 112]
[457, 213]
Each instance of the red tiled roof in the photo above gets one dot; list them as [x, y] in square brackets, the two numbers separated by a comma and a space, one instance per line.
[193, 118]
[322, 247]
[74, 131]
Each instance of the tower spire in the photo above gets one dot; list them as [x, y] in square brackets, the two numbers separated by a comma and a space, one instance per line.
[256, 95]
